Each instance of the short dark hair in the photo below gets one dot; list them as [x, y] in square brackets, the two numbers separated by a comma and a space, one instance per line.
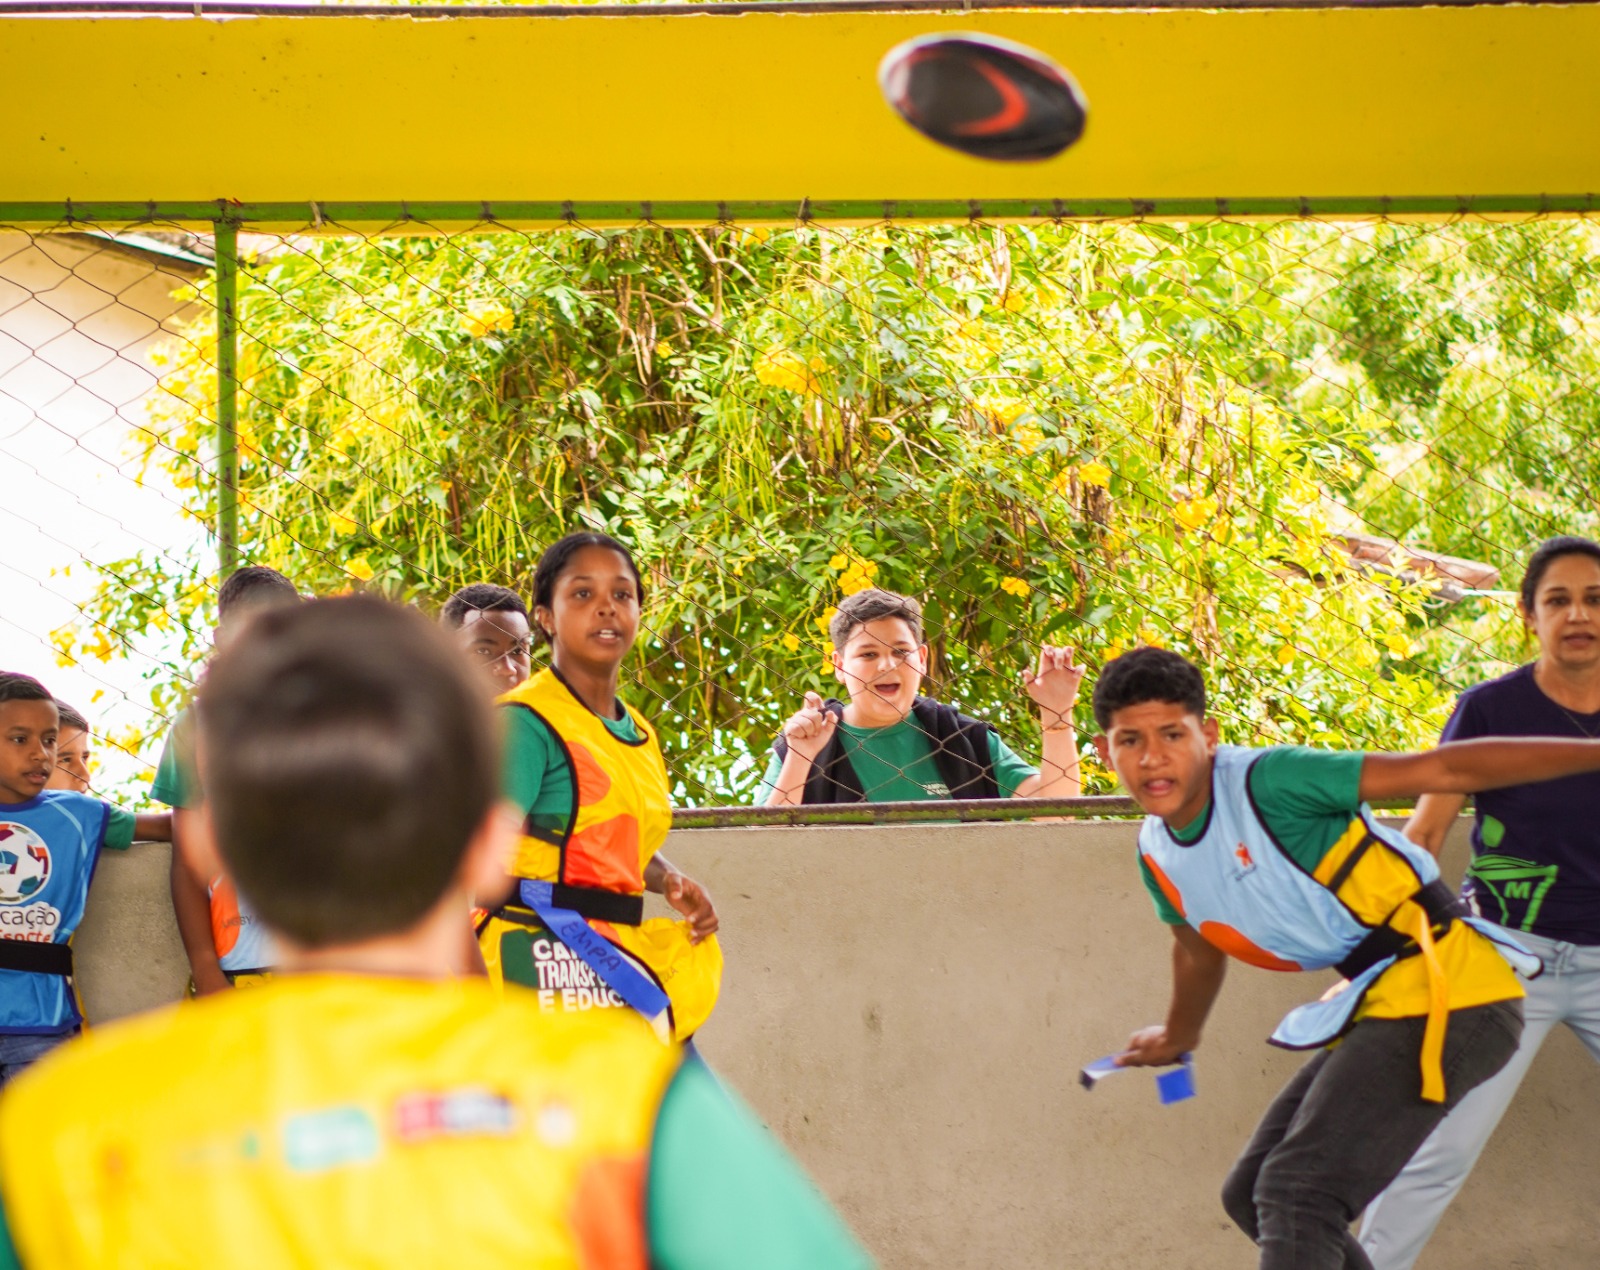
[19, 687]
[1148, 674]
[254, 586]
[873, 605]
[70, 718]
[349, 759]
[1546, 554]
[558, 555]
[480, 597]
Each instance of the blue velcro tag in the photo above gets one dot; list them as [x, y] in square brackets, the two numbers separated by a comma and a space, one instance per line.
[1172, 1086]
[596, 951]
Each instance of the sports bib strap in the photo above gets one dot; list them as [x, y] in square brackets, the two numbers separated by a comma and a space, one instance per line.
[1436, 899]
[598, 905]
[36, 958]
[595, 950]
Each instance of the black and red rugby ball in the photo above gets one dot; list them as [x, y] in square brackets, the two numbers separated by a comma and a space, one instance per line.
[984, 96]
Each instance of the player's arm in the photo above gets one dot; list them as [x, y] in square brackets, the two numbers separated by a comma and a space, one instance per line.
[1053, 685]
[684, 894]
[1432, 819]
[152, 826]
[1465, 767]
[192, 908]
[806, 734]
[1198, 968]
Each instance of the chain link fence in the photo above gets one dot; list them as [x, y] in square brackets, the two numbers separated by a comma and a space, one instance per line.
[1312, 454]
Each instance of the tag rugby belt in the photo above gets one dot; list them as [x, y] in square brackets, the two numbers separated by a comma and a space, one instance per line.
[36, 958]
[1436, 899]
[587, 901]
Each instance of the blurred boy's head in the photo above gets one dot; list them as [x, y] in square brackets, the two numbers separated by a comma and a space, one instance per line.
[29, 722]
[490, 625]
[1154, 732]
[73, 747]
[349, 759]
[246, 592]
[878, 654]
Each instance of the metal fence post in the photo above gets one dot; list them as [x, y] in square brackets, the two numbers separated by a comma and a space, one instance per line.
[227, 247]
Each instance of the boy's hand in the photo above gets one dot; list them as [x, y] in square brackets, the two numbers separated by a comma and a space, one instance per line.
[1152, 1047]
[1054, 685]
[808, 731]
[690, 898]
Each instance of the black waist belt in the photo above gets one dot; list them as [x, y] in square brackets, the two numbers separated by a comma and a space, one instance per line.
[1437, 900]
[36, 958]
[588, 901]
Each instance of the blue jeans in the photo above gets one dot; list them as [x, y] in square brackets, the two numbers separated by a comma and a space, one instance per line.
[1345, 1125]
[18, 1052]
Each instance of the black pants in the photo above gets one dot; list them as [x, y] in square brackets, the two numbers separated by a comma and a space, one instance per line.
[1344, 1127]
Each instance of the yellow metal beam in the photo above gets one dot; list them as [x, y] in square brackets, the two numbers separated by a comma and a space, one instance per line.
[676, 115]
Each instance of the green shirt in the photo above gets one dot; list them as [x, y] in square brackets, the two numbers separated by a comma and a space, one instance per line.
[1305, 798]
[723, 1193]
[176, 783]
[896, 764]
[534, 772]
[119, 829]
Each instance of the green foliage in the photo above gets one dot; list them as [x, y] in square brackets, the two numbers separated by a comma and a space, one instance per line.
[1094, 435]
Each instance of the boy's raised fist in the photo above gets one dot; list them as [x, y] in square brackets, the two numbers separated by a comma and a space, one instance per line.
[809, 729]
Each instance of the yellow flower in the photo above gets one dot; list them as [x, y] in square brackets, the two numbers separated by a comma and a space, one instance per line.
[791, 641]
[1191, 513]
[779, 368]
[1016, 586]
[1115, 649]
[827, 648]
[484, 316]
[828, 615]
[870, 569]
[1095, 473]
[1150, 639]
[838, 562]
[663, 348]
[342, 524]
[1029, 437]
[1397, 644]
[1004, 416]
[1286, 655]
[854, 580]
[1014, 302]
[359, 568]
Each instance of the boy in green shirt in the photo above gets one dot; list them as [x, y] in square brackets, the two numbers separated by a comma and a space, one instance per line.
[890, 744]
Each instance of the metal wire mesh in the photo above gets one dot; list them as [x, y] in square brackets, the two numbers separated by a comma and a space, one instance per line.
[1312, 454]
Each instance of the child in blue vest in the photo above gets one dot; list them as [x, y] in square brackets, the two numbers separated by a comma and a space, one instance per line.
[50, 840]
[1272, 856]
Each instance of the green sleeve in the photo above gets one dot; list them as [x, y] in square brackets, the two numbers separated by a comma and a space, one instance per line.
[1306, 798]
[8, 1251]
[1164, 908]
[769, 779]
[175, 784]
[724, 1195]
[119, 829]
[1009, 769]
[527, 755]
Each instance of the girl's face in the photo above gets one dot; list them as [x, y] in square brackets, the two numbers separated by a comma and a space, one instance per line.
[1566, 612]
[594, 608]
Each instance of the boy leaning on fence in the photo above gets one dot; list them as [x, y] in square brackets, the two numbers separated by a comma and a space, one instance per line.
[224, 942]
[370, 1105]
[50, 841]
[889, 743]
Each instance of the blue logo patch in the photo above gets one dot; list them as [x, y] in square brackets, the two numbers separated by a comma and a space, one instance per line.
[322, 1140]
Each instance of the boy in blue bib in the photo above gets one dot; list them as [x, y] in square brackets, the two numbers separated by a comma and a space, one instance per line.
[1272, 856]
[50, 841]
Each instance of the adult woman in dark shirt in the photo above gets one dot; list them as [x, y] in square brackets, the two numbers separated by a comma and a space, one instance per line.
[1535, 869]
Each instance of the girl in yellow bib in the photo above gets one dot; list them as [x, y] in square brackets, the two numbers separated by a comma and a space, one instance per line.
[586, 774]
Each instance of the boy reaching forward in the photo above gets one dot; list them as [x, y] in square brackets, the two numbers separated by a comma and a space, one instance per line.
[1272, 856]
[890, 743]
[369, 1106]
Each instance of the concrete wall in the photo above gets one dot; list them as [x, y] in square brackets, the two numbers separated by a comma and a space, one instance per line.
[908, 1008]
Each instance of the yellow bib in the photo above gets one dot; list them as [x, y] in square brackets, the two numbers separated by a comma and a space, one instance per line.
[621, 814]
[339, 1121]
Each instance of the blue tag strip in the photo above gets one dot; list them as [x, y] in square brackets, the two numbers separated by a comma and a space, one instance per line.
[596, 950]
[1171, 1086]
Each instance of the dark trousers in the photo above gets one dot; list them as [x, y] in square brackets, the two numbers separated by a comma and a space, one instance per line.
[1344, 1127]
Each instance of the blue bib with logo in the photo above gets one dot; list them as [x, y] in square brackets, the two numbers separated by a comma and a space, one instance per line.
[49, 847]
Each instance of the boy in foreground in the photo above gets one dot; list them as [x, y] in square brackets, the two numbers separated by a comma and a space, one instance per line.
[369, 1106]
[1273, 857]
